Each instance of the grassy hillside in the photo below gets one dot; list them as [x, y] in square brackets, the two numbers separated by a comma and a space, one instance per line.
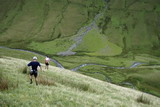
[133, 25]
[93, 43]
[144, 77]
[23, 21]
[96, 44]
[123, 33]
[60, 87]
[132, 78]
[49, 26]
[55, 22]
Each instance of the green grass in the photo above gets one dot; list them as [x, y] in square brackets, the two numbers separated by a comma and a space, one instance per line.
[135, 76]
[26, 21]
[125, 24]
[52, 47]
[125, 60]
[96, 44]
[49, 26]
[133, 23]
[69, 89]
[73, 61]
[21, 55]
[93, 44]
[148, 83]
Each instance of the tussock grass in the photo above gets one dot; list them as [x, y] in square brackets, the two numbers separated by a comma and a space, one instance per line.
[143, 99]
[24, 70]
[74, 83]
[46, 81]
[84, 87]
[81, 86]
[4, 83]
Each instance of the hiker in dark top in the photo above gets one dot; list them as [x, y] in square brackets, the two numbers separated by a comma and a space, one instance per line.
[34, 64]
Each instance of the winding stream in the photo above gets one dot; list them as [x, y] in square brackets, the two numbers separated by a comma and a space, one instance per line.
[58, 64]
[135, 64]
[108, 79]
[53, 60]
[83, 65]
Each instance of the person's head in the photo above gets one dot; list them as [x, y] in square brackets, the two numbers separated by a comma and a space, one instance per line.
[34, 58]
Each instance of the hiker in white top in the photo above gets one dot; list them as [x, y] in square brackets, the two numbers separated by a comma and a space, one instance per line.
[47, 62]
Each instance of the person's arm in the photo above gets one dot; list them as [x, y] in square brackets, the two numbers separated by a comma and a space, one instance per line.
[40, 68]
[29, 66]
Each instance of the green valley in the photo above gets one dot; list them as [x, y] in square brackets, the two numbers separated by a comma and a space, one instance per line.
[116, 42]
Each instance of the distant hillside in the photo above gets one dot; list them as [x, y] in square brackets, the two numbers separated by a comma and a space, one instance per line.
[121, 26]
[61, 87]
[133, 24]
[22, 21]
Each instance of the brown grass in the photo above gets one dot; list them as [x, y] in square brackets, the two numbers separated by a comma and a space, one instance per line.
[143, 99]
[4, 83]
[45, 81]
[24, 70]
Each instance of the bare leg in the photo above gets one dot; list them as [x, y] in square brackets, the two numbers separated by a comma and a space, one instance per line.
[36, 80]
[47, 66]
[30, 79]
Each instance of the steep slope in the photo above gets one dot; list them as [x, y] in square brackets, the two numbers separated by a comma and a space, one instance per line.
[127, 72]
[128, 31]
[22, 21]
[128, 26]
[124, 23]
[60, 87]
[133, 25]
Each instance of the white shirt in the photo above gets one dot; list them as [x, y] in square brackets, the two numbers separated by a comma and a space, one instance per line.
[47, 59]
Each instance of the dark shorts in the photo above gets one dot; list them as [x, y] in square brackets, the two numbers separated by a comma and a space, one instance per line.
[47, 63]
[33, 72]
